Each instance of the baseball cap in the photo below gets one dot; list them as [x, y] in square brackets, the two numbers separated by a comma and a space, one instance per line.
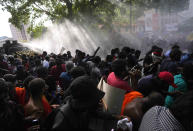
[168, 77]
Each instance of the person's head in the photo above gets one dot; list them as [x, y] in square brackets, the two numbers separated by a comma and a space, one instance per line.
[187, 74]
[113, 52]
[109, 58]
[69, 65]
[77, 71]
[122, 55]
[182, 109]
[27, 81]
[119, 68]
[96, 60]
[153, 99]
[84, 92]
[44, 53]
[126, 50]
[10, 78]
[175, 55]
[37, 62]
[58, 62]
[162, 82]
[137, 53]
[42, 72]
[69, 54]
[36, 87]
[47, 58]
[175, 46]
[153, 48]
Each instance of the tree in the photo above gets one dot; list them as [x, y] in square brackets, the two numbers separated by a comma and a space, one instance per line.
[25, 11]
[97, 12]
[37, 31]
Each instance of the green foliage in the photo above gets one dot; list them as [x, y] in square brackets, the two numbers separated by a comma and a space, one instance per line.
[23, 11]
[37, 31]
[97, 12]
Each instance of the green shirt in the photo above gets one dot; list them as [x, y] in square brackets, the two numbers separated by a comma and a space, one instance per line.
[182, 87]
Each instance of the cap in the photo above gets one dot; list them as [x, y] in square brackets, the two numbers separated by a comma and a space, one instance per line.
[168, 77]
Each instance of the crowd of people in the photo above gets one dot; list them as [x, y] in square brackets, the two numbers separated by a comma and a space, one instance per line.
[59, 92]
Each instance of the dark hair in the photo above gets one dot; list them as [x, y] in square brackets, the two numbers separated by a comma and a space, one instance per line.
[9, 78]
[47, 58]
[175, 54]
[175, 46]
[137, 53]
[154, 98]
[182, 109]
[27, 81]
[154, 47]
[36, 87]
[113, 52]
[122, 55]
[118, 67]
[37, 62]
[58, 61]
[85, 88]
[44, 53]
[96, 60]
[42, 72]
[127, 50]
[77, 71]
[109, 58]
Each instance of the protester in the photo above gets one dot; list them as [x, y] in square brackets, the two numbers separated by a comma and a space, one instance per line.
[80, 108]
[117, 77]
[136, 108]
[178, 117]
[11, 114]
[47, 85]
[172, 63]
[37, 108]
[182, 82]
[65, 77]
[57, 69]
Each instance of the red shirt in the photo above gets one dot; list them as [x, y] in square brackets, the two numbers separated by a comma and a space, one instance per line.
[55, 71]
[118, 83]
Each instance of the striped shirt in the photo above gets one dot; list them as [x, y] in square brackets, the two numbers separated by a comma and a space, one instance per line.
[159, 118]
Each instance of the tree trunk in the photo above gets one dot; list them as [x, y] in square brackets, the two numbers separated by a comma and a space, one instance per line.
[131, 15]
[69, 6]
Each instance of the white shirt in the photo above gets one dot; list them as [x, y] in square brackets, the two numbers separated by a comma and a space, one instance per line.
[46, 64]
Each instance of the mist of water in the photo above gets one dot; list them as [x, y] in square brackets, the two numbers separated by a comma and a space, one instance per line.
[72, 36]
[68, 35]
